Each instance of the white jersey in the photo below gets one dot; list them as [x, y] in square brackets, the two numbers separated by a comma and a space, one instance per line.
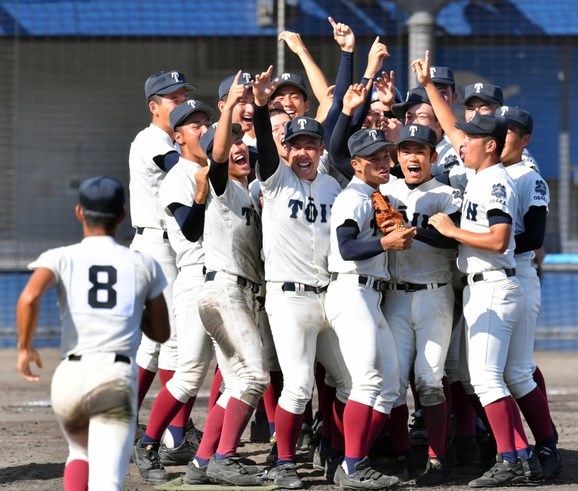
[146, 176]
[179, 186]
[102, 288]
[422, 263]
[529, 160]
[232, 236]
[296, 215]
[327, 167]
[447, 158]
[354, 203]
[531, 190]
[489, 189]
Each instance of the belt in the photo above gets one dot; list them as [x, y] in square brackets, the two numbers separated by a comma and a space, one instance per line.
[141, 230]
[244, 282]
[369, 281]
[412, 287]
[117, 358]
[495, 274]
[300, 287]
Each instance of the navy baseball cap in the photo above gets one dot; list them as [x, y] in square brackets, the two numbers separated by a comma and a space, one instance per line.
[414, 96]
[102, 194]
[490, 125]
[517, 116]
[208, 138]
[303, 126]
[366, 142]
[488, 92]
[291, 79]
[225, 86]
[417, 133]
[180, 113]
[161, 83]
[442, 75]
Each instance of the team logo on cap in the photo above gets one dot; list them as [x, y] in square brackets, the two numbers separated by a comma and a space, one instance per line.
[432, 71]
[192, 103]
[286, 76]
[413, 130]
[499, 192]
[373, 134]
[540, 188]
[176, 76]
[247, 77]
[214, 125]
[478, 87]
[302, 123]
[504, 110]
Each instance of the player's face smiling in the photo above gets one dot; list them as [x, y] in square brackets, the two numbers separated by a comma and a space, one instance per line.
[168, 103]
[278, 126]
[239, 164]
[415, 160]
[291, 99]
[304, 154]
[373, 169]
[243, 112]
[479, 105]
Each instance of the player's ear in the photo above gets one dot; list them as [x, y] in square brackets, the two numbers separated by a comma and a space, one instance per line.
[526, 139]
[179, 137]
[306, 105]
[434, 156]
[79, 213]
[153, 106]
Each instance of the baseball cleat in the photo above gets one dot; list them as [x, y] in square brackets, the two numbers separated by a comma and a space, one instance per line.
[147, 461]
[231, 471]
[285, 476]
[180, 455]
[195, 474]
[436, 472]
[502, 474]
[550, 462]
[532, 468]
[364, 477]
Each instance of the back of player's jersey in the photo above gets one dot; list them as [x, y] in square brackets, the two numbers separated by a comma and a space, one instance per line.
[102, 288]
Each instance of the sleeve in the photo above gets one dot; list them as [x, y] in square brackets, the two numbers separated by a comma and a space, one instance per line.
[268, 157]
[51, 260]
[218, 176]
[167, 161]
[353, 249]
[191, 219]
[433, 238]
[342, 83]
[338, 151]
[361, 112]
[532, 237]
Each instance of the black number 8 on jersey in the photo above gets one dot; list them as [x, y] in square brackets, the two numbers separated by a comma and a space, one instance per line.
[96, 300]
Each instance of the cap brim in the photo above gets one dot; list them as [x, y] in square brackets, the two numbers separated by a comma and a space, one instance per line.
[290, 82]
[172, 88]
[470, 129]
[201, 108]
[443, 81]
[399, 110]
[484, 97]
[414, 139]
[371, 149]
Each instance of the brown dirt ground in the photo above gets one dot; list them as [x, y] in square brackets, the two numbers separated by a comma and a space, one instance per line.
[33, 450]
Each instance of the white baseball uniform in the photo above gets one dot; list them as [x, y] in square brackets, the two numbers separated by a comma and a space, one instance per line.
[353, 305]
[494, 300]
[420, 298]
[151, 238]
[102, 288]
[194, 347]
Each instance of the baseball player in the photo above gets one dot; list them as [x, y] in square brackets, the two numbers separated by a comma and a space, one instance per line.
[102, 289]
[297, 203]
[358, 269]
[419, 300]
[227, 302]
[533, 197]
[152, 155]
[493, 298]
[183, 203]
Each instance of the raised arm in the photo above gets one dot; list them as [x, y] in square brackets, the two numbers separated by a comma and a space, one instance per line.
[442, 109]
[315, 76]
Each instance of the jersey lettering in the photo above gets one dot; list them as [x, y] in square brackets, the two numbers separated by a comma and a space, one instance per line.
[312, 212]
[415, 221]
[471, 211]
[295, 205]
[102, 295]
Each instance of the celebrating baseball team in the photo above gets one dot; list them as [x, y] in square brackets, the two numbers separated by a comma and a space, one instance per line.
[377, 246]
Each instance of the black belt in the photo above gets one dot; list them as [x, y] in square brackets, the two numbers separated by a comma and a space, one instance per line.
[377, 285]
[117, 358]
[140, 230]
[244, 282]
[291, 287]
[413, 287]
[480, 276]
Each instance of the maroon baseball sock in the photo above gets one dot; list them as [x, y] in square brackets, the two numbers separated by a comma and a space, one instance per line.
[356, 423]
[540, 381]
[165, 375]
[76, 475]
[337, 433]
[237, 415]
[163, 411]
[326, 407]
[287, 428]
[271, 396]
[378, 422]
[145, 380]
[212, 433]
[534, 407]
[501, 419]
[480, 411]
[464, 412]
[435, 418]
[448, 396]
[215, 388]
[398, 429]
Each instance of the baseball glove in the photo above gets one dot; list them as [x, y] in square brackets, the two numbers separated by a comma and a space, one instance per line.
[384, 212]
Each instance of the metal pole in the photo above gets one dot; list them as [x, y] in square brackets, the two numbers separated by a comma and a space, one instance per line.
[280, 29]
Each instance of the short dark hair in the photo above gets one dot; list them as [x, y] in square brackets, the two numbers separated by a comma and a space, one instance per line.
[432, 149]
[94, 219]
[518, 129]
[158, 99]
[499, 143]
[276, 111]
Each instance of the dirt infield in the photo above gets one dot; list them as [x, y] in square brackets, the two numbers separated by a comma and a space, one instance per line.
[33, 451]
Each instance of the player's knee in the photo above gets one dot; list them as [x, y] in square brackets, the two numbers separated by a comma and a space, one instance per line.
[432, 396]
[255, 389]
[520, 388]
